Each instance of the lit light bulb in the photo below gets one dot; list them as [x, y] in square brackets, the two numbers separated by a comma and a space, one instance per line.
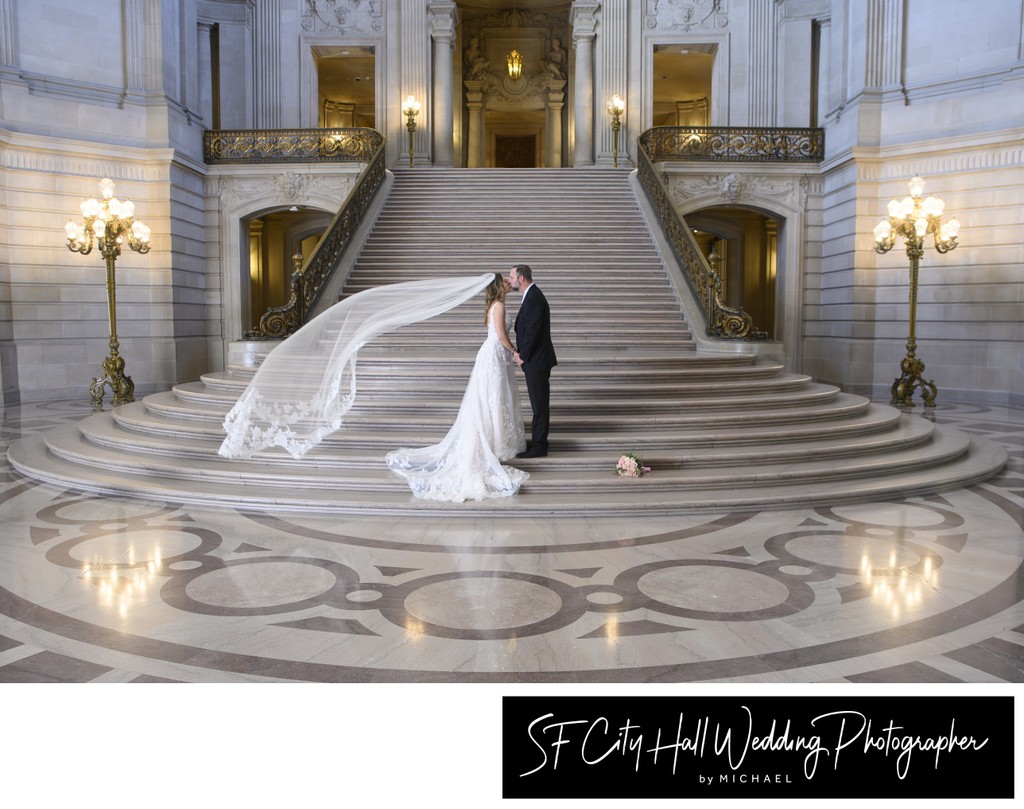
[882, 230]
[72, 230]
[107, 187]
[99, 227]
[916, 187]
[950, 230]
[921, 226]
[933, 206]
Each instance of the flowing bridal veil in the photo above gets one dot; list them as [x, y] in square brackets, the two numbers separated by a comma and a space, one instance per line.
[307, 384]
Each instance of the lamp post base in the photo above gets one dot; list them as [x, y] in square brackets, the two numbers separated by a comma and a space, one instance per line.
[120, 385]
[909, 379]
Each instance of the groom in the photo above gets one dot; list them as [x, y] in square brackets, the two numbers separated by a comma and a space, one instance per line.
[534, 354]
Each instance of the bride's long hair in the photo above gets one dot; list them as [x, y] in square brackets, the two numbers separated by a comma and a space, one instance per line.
[495, 292]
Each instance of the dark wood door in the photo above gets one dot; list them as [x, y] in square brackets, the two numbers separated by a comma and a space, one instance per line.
[515, 151]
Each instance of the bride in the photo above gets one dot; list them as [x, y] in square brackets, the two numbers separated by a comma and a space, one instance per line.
[466, 464]
[307, 384]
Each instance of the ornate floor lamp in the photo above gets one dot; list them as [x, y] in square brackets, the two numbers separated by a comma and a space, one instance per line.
[913, 219]
[616, 107]
[110, 224]
[411, 108]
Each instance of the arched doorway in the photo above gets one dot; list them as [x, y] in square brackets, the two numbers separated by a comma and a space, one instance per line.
[273, 237]
[742, 245]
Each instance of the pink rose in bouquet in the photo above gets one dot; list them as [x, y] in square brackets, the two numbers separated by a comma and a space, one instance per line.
[630, 466]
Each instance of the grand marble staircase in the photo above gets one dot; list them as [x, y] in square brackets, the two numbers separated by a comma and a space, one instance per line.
[720, 431]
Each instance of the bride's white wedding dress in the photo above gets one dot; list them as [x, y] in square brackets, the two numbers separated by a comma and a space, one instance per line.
[466, 464]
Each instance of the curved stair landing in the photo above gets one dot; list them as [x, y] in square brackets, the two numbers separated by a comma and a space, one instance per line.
[720, 431]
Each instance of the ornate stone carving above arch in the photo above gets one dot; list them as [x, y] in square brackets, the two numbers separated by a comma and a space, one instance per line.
[343, 16]
[687, 15]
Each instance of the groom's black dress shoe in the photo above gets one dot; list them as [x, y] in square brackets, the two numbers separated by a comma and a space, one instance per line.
[533, 452]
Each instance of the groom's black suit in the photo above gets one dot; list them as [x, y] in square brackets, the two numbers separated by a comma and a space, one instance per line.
[533, 340]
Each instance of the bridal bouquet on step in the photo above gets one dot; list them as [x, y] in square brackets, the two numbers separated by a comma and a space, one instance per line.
[630, 466]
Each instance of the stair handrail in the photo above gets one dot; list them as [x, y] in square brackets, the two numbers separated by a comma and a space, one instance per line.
[720, 320]
[310, 276]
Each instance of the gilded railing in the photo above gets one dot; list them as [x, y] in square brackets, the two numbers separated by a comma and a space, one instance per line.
[734, 143]
[290, 145]
[720, 320]
[309, 279]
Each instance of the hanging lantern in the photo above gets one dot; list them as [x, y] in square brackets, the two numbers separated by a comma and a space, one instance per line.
[515, 65]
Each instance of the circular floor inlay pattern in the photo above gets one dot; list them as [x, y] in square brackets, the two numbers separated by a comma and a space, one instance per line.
[711, 588]
[262, 585]
[853, 552]
[901, 515]
[483, 603]
[134, 547]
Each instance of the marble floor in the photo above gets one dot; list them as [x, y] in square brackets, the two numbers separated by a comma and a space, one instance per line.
[929, 590]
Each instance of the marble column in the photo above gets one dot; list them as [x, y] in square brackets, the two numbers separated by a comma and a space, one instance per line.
[442, 31]
[584, 27]
[555, 103]
[205, 30]
[475, 105]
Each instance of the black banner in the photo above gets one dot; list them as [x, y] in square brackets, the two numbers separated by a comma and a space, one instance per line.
[757, 747]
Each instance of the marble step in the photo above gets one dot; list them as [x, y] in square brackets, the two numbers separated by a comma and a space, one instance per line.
[371, 474]
[227, 384]
[226, 390]
[811, 401]
[595, 494]
[860, 418]
[886, 434]
[165, 413]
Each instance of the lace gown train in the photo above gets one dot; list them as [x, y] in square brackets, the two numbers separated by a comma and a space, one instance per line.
[466, 464]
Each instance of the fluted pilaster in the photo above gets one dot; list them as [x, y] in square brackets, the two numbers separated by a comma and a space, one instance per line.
[415, 71]
[884, 58]
[584, 29]
[762, 65]
[8, 52]
[612, 76]
[190, 56]
[142, 46]
[267, 56]
[205, 77]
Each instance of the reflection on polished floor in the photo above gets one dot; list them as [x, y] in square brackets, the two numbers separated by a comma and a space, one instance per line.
[110, 589]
